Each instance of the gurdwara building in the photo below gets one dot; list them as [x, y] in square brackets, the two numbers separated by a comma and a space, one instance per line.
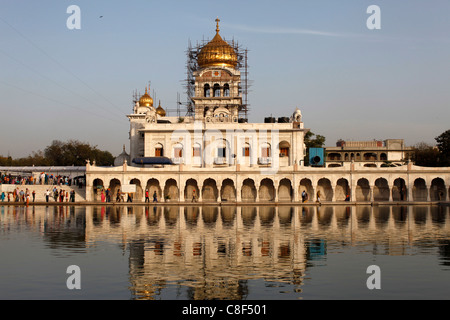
[213, 154]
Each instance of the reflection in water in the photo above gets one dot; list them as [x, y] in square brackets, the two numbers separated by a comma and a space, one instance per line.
[217, 252]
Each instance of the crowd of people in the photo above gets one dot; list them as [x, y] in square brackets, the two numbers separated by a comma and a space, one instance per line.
[27, 196]
[43, 178]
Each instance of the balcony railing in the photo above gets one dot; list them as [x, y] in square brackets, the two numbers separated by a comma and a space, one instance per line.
[196, 160]
[178, 160]
[220, 160]
[265, 160]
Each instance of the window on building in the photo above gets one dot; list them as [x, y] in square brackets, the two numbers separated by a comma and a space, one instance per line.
[178, 152]
[265, 151]
[246, 152]
[159, 152]
[196, 151]
[216, 90]
[206, 90]
[221, 152]
[226, 90]
[284, 152]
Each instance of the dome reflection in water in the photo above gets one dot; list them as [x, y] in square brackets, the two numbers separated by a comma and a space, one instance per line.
[232, 252]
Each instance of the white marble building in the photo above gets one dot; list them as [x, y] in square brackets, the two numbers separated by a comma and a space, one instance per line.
[214, 155]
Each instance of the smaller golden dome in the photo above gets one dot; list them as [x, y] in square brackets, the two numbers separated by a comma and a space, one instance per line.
[146, 100]
[160, 111]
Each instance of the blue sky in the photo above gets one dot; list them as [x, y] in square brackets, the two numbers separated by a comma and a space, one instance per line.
[350, 82]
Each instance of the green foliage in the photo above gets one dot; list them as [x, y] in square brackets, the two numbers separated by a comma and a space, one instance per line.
[425, 155]
[434, 156]
[312, 141]
[443, 144]
[60, 153]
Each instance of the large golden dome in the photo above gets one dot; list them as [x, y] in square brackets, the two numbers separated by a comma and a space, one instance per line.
[217, 53]
[146, 100]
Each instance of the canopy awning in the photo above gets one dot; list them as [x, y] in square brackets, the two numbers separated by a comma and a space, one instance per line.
[152, 160]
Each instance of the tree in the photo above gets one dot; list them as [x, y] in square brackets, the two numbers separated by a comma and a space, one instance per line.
[443, 144]
[312, 140]
[425, 155]
[317, 142]
[74, 152]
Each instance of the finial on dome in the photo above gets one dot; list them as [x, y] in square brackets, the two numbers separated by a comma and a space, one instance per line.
[217, 25]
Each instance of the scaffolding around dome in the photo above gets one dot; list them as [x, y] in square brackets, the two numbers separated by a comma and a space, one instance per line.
[195, 53]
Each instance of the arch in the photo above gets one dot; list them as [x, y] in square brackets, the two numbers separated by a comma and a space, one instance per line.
[362, 190]
[226, 90]
[437, 190]
[114, 186]
[216, 90]
[334, 156]
[324, 189]
[399, 190]
[342, 189]
[265, 153]
[370, 156]
[152, 186]
[222, 143]
[383, 156]
[248, 214]
[228, 214]
[177, 150]
[159, 150]
[306, 185]
[191, 189]
[210, 214]
[420, 191]
[97, 182]
[206, 91]
[139, 192]
[381, 190]
[97, 187]
[248, 190]
[209, 190]
[196, 154]
[171, 191]
[267, 215]
[228, 191]
[285, 190]
[191, 214]
[284, 149]
[221, 151]
[266, 190]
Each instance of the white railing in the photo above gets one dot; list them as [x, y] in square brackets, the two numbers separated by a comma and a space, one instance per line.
[220, 160]
[178, 160]
[265, 160]
[196, 160]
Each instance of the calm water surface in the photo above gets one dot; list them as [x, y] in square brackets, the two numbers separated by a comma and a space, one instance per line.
[237, 253]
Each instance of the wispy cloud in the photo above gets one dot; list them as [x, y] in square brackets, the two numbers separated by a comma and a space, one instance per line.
[281, 30]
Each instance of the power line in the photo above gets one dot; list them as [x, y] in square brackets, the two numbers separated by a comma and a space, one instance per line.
[58, 63]
[58, 84]
[54, 100]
